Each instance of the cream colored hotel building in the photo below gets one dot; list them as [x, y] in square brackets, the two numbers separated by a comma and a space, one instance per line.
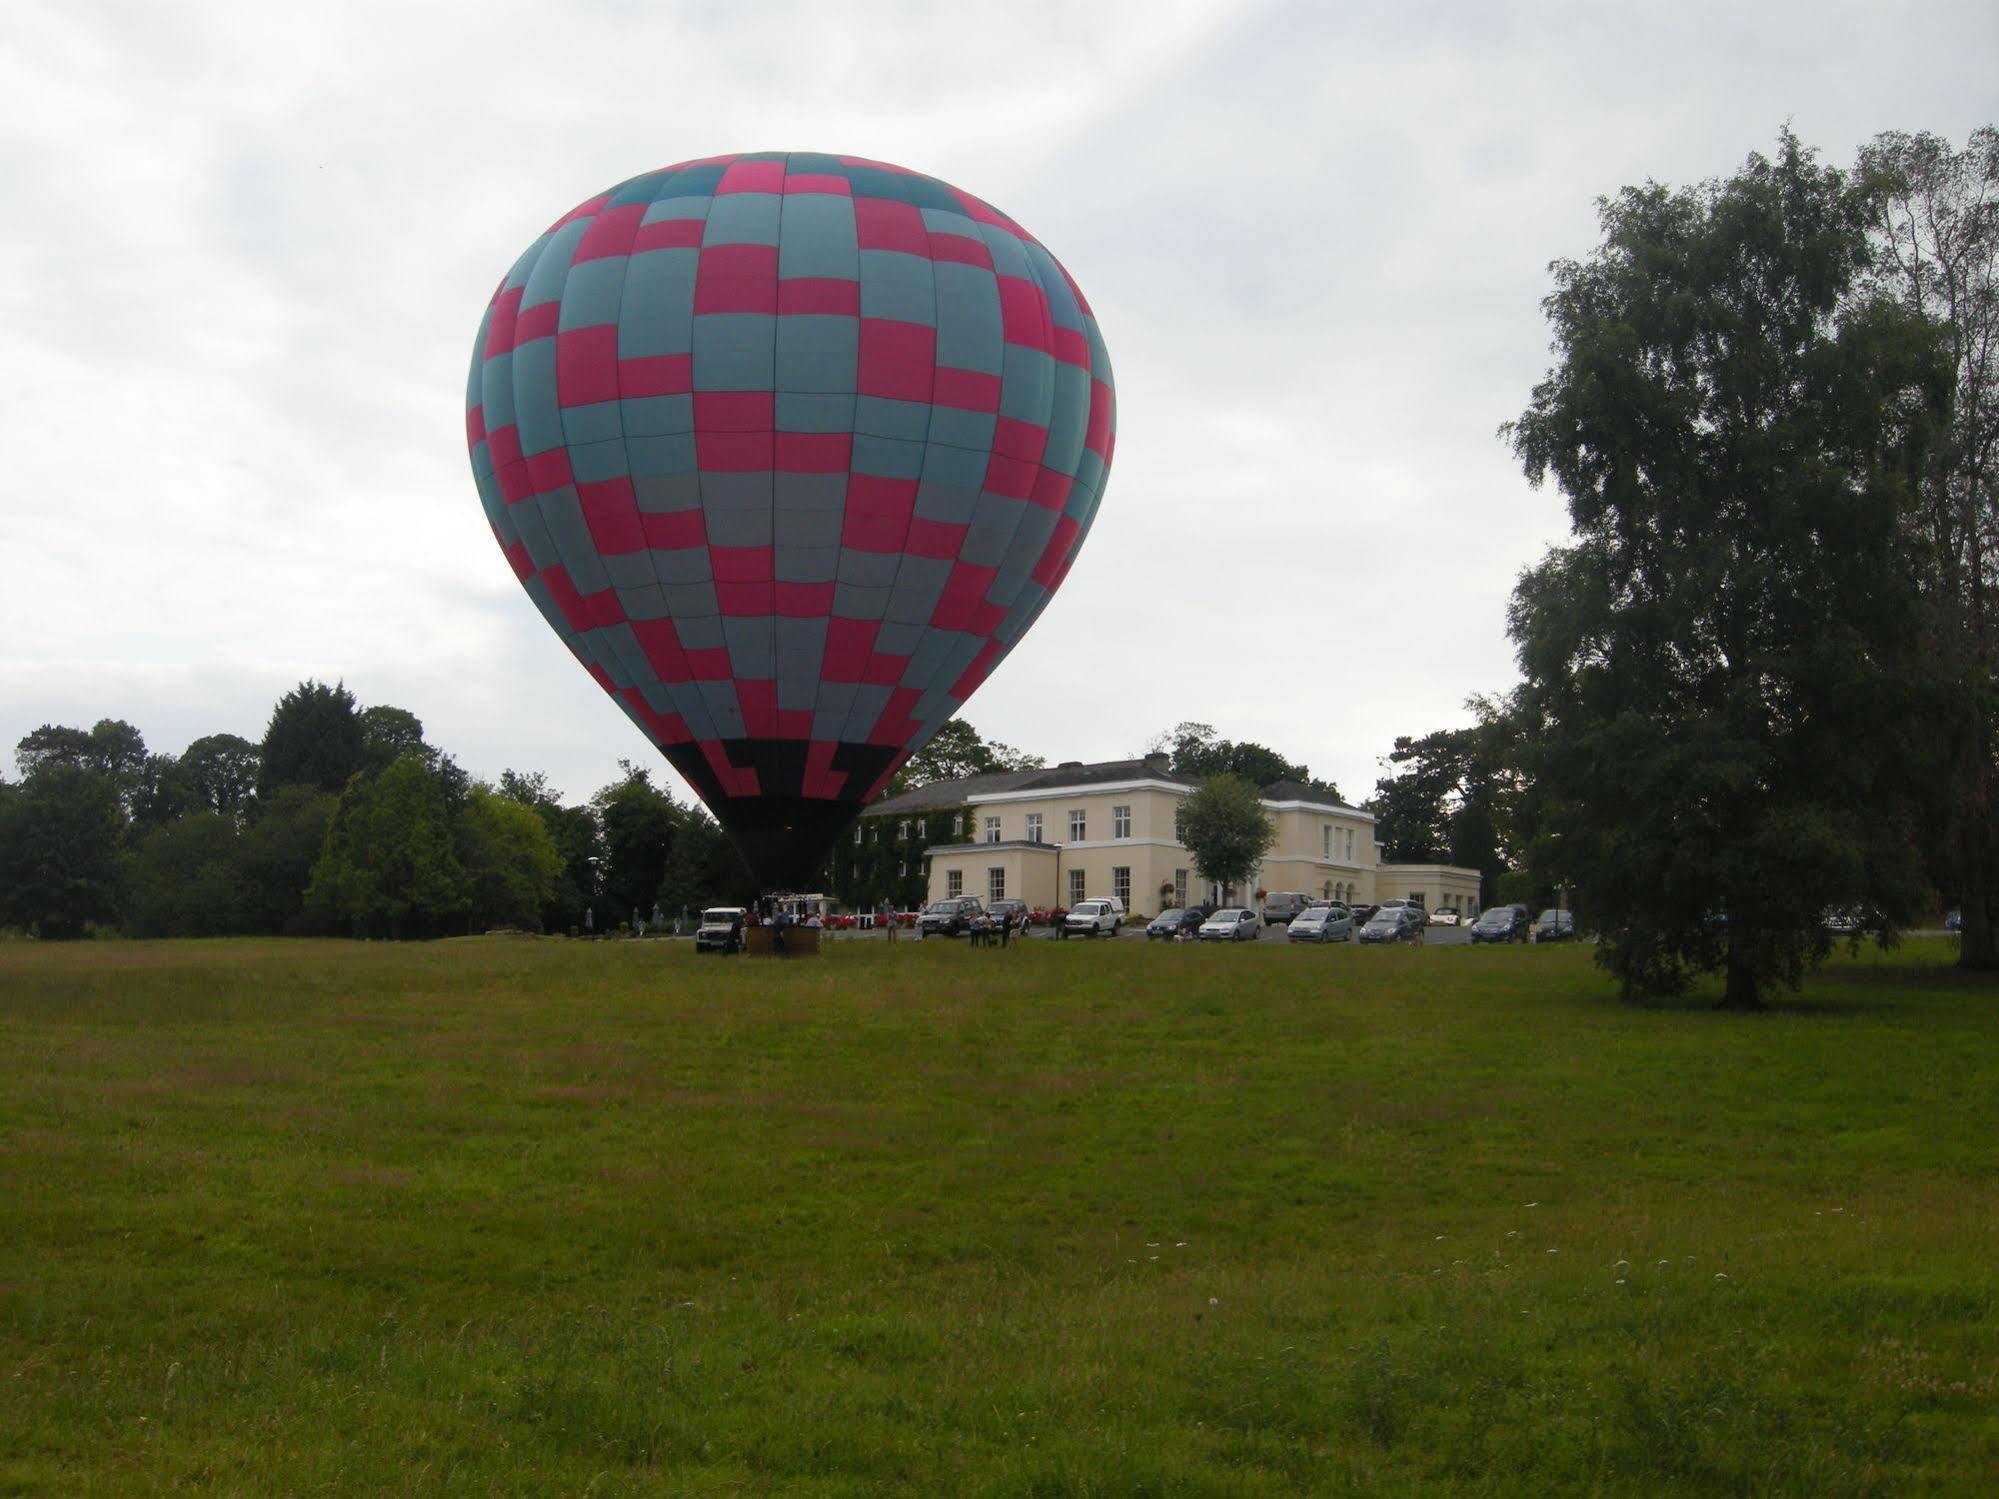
[1056, 836]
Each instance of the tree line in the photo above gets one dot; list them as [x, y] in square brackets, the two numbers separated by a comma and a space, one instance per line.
[340, 820]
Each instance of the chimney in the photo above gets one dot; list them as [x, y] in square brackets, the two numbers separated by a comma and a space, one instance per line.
[1158, 762]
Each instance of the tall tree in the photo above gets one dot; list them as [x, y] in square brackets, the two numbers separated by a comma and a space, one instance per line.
[510, 861]
[388, 866]
[1197, 751]
[387, 734]
[1936, 228]
[578, 839]
[957, 750]
[1719, 666]
[314, 739]
[187, 879]
[221, 772]
[281, 844]
[60, 833]
[1225, 828]
[640, 824]
[1456, 796]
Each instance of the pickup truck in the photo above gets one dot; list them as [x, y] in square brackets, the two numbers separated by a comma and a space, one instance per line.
[1093, 918]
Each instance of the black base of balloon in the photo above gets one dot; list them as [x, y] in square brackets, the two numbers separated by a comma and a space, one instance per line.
[783, 836]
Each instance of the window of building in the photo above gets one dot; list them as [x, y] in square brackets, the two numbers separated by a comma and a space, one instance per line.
[902, 869]
[1349, 845]
[1078, 825]
[992, 830]
[1121, 884]
[1180, 887]
[954, 882]
[1327, 890]
[1034, 827]
[995, 883]
[859, 833]
[902, 830]
[922, 827]
[1120, 822]
[957, 824]
[1326, 839]
[1076, 887]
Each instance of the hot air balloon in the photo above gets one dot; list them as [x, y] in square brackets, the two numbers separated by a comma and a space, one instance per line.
[790, 449]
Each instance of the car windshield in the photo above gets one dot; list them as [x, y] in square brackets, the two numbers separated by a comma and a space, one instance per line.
[943, 908]
[1226, 916]
[1552, 918]
[1385, 918]
[1174, 914]
[1501, 917]
[720, 915]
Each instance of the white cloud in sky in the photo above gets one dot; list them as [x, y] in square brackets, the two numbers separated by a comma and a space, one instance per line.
[246, 249]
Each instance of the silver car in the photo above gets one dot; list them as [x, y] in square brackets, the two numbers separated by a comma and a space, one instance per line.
[1232, 925]
[1322, 924]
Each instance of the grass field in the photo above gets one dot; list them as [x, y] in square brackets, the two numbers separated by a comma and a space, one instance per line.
[555, 1217]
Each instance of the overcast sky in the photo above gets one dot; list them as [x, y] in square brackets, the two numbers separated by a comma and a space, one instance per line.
[245, 248]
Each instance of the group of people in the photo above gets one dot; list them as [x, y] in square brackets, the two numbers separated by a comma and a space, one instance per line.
[984, 931]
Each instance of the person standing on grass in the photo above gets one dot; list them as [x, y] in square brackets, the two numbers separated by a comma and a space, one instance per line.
[886, 917]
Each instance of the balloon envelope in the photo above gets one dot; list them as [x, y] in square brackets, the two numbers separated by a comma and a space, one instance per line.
[790, 449]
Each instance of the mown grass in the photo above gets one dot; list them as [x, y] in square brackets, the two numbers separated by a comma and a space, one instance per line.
[555, 1217]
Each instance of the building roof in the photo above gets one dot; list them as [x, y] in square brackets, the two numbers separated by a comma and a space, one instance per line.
[1298, 791]
[1075, 773]
[939, 795]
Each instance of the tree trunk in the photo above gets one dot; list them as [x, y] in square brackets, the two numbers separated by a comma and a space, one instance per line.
[1977, 849]
[1740, 992]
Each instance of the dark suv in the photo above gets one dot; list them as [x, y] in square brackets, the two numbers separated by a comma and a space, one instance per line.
[1500, 924]
[949, 918]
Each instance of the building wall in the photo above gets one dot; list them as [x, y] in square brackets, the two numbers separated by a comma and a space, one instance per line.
[1438, 886]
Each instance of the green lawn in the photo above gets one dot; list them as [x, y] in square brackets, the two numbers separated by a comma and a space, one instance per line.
[557, 1217]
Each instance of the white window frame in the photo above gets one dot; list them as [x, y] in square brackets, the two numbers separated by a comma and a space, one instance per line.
[1078, 886]
[1121, 883]
[1079, 824]
[902, 830]
[995, 882]
[860, 832]
[992, 830]
[1121, 821]
[1034, 827]
[957, 824]
[1180, 888]
[954, 883]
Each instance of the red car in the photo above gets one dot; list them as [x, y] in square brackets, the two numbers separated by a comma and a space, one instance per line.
[1046, 915]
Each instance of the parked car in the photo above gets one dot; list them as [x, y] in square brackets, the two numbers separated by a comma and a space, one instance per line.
[951, 917]
[1232, 925]
[1392, 924]
[1362, 915]
[1555, 926]
[1046, 915]
[1093, 918]
[1444, 916]
[1414, 907]
[1500, 924]
[1282, 906]
[1953, 919]
[1172, 923]
[1321, 924]
[716, 924]
[999, 910]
